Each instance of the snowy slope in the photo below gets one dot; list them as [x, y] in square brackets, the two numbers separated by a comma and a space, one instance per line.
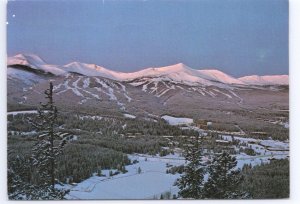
[177, 121]
[183, 74]
[178, 72]
[28, 78]
[216, 75]
[266, 80]
[152, 181]
[31, 60]
[92, 70]
[34, 62]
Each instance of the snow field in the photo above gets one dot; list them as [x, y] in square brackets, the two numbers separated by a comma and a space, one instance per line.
[266, 150]
[152, 181]
[126, 115]
[177, 121]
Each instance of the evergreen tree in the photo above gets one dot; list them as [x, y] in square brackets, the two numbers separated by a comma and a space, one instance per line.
[124, 169]
[224, 179]
[48, 146]
[191, 182]
[139, 170]
[99, 172]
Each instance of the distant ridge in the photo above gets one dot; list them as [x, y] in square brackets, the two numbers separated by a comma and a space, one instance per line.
[177, 73]
[265, 80]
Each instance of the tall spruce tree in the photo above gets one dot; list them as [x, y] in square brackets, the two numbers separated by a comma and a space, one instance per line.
[191, 182]
[224, 179]
[47, 148]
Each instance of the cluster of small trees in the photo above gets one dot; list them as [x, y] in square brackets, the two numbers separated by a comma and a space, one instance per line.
[248, 151]
[150, 145]
[175, 169]
[80, 161]
[158, 128]
[277, 132]
[18, 123]
[223, 181]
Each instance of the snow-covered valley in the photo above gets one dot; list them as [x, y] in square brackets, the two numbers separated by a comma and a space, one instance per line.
[152, 181]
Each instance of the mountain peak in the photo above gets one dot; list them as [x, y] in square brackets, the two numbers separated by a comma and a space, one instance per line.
[171, 68]
[75, 64]
[83, 66]
[90, 70]
[31, 60]
[181, 65]
[25, 55]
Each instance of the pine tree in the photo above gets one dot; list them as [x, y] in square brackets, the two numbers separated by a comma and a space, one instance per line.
[99, 172]
[48, 146]
[224, 179]
[191, 182]
[139, 170]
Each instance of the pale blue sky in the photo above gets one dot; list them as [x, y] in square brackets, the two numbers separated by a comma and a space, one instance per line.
[239, 37]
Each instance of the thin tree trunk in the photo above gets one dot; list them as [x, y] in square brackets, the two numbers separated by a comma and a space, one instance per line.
[52, 138]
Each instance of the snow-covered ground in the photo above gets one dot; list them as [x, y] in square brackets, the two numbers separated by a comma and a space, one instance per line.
[22, 112]
[152, 181]
[243, 159]
[177, 121]
[274, 144]
[26, 77]
[265, 150]
[126, 115]
[266, 144]
[94, 117]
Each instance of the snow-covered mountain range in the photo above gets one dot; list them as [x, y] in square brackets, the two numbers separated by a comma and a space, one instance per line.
[178, 73]
[176, 89]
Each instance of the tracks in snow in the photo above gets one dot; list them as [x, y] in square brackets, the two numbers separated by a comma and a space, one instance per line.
[160, 88]
[96, 88]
